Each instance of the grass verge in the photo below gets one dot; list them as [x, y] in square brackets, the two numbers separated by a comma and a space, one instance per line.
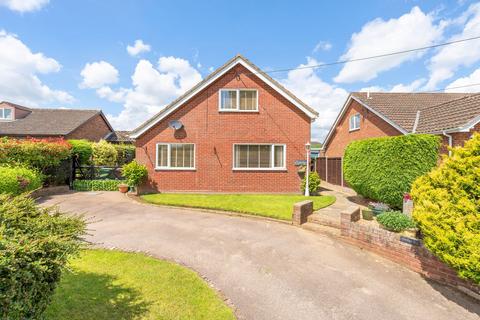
[272, 206]
[110, 285]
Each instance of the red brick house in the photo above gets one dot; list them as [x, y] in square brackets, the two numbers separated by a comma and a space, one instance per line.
[21, 122]
[453, 116]
[236, 131]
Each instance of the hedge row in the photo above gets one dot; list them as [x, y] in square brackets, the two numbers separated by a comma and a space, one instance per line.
[102, 153]
[16, 180]
[36, 244]
[383, 169]
[96, 185]
[447, 209]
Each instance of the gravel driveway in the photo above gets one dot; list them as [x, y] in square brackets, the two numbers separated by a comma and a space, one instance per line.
[269, 270]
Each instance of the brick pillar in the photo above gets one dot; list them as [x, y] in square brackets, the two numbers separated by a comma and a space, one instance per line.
[301, 210]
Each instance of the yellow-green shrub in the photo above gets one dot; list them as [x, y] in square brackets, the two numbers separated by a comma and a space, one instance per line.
[447, 209]
[104, 153]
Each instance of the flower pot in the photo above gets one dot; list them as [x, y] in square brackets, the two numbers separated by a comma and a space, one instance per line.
[123, 188]
[367, 214]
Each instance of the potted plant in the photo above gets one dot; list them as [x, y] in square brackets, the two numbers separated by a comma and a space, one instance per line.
[378, 207]
[367, 214]
[123, 187]
[134, 173]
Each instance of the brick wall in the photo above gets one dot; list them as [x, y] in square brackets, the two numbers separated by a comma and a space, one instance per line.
[388, 244]
[371, 126]
[214, 133]
[94, 129]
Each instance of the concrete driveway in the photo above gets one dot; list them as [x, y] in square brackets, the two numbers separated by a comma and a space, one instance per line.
[269, 270]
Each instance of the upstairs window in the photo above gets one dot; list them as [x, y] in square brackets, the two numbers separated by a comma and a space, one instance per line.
[5, 114]
[259, 156]
[355, 122]
[238, 100]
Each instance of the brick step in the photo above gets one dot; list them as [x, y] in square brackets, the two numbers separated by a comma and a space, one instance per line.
[315, 227]
[325, 220]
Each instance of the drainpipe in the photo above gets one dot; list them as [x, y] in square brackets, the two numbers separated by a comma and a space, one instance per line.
[449, 142]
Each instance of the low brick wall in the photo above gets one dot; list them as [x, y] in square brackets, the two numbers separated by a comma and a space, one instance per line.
[407, 251]
[301, 211]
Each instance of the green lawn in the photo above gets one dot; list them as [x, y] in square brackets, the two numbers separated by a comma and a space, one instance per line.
[111, 285]
[274, 206]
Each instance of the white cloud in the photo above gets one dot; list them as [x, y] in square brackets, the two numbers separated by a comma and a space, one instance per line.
[448, 59]
[24, 5]
[322, 46]
[19, 69]
[473, 78]
[400, 87]
[411, 30]
[98, 74]
[327, 99]
[152, 89]
[138, 48]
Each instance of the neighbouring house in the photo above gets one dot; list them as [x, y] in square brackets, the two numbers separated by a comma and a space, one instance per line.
[20, 122]
[238, 130]
[453, 116]
[118, 137]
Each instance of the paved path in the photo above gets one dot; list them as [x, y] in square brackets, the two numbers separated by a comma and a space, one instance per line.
[267, 269]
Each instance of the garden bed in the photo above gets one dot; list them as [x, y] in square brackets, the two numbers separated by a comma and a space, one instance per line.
[107, 284]
[272, 206]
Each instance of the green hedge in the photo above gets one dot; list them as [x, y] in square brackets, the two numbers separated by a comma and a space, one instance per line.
[15, 180]
[96, 185]
[447, 209]
[125, 153]
[383, 169]
[35, 245]
[82, 149]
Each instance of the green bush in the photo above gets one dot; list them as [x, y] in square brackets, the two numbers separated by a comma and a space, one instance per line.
[104, 153]
[36, 153]
[395, 221]
[313, 182]
[134, 173]
[96, 185]
[383, 169]
[15, 180]
[125, 152]
[447, 209]
[35, 245]
[83, 149]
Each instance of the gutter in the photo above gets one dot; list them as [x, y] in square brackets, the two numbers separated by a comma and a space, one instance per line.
[449, 142]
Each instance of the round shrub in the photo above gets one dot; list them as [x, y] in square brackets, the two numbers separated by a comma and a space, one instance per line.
[36, 244]
[383, 169]
[134, 173]
[313, 182]
[104, 153]
[447, 209]
[82, 149]
[15, 180]
[395, 221]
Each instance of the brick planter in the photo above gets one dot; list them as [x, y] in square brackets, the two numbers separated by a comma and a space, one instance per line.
[404, 250]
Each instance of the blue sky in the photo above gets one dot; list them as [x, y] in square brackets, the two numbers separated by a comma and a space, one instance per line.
[74, 53]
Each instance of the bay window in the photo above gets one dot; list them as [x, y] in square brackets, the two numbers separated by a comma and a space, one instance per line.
[238, 100]
[175, 156]
[259, 156]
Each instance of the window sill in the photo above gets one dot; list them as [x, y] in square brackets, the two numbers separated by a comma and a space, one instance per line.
[352, 130]
[175, 169]
[261, 169]
[238, 111]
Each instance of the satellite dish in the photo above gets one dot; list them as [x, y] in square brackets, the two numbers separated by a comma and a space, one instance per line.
[175, 124]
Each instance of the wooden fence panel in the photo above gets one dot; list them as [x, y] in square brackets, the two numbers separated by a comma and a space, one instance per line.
[330, 170]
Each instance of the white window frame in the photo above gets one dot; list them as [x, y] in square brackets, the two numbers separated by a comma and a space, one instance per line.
[2, 114]
[169, 148]
[272, 157]
[352, 121]
[238, 100]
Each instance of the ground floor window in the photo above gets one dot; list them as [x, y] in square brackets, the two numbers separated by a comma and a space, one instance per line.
[259, 156]
[175, 156]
